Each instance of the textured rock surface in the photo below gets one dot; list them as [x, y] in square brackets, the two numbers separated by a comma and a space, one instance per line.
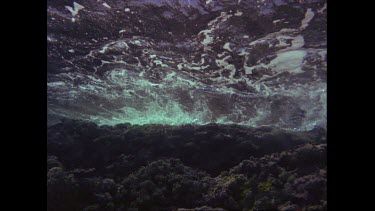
[175, 62]
[191, 167]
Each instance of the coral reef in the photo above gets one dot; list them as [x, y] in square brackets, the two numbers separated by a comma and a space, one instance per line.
[188, 167]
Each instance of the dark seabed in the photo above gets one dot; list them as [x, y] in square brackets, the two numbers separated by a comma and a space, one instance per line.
[186, 105]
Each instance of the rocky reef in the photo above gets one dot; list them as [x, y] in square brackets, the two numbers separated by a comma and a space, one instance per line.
[187, 167]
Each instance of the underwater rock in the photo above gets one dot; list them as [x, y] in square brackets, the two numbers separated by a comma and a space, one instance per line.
[80, 144]
[238, 167]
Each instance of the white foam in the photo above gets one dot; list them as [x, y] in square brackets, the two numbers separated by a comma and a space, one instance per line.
[122, 44]
[136, 42]
[248, 70]
[195, 68]
[297, 43]
[238, 13]
[106, 5]
[104, 48]
[227, 47]
[290, 61]
[208, 38]
[226, 66]
[58, 83]
[283, 40]
[323, 8]
[158, 62]
[77, 8]
[51, 39]
[179, 66]
[308, 16]
[276, 21]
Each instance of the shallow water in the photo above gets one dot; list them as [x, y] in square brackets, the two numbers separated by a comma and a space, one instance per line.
[226, 101]
[175, 62]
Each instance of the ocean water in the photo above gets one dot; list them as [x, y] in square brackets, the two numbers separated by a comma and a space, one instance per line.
[186, 105]
[175, 62]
